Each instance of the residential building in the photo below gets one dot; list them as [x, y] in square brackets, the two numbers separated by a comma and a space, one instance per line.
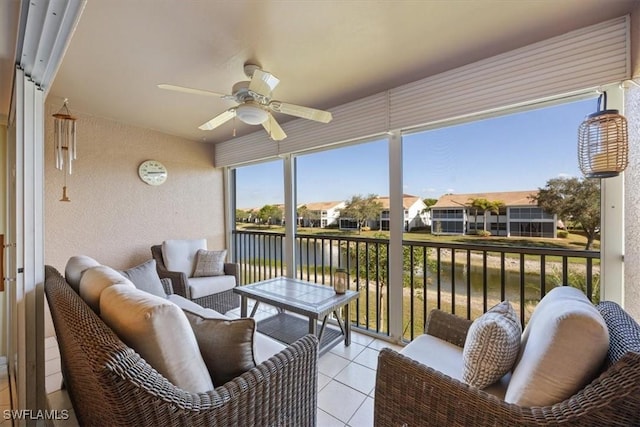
[414, 215]
[519, 215]
[319, 214]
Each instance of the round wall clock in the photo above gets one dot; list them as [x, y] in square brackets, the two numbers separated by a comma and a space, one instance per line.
[152, 172]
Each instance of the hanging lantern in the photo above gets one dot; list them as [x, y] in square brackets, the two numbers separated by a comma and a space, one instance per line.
[64, 130]
[603, 142]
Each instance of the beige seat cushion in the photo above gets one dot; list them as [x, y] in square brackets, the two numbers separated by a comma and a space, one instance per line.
[180, 255]
[159, 331]
[95, 280]
[563, 348]
[447, 359]
[187, 304]
[76, 266]
[205, 286]
[492, 345]
[264, 346]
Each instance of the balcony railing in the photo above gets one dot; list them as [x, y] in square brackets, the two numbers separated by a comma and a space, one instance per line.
[465, 279]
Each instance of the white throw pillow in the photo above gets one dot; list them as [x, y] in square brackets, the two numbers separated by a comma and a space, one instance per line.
[563, 348]
[159, 331]
[492, 346]
[97, 279]
[75, 268]
[180, 255]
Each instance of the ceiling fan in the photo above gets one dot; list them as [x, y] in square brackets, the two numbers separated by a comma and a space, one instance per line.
[255, 104]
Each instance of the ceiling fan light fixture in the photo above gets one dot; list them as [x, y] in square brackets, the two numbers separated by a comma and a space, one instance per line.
[251, 114]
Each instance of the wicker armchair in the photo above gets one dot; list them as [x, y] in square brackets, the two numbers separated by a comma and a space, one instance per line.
[412, 394]
[110, 384]
[220, 302]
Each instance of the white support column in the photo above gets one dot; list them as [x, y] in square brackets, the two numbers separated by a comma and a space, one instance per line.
[229, 184]
[396, 230]
[612, 222]
[27, 297]
[290, 213]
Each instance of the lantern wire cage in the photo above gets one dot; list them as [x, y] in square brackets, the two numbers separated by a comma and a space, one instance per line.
[603, 142]
[65, 147]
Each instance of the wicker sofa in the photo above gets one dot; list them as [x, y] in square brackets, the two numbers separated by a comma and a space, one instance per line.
[110, 384]
[410, 393]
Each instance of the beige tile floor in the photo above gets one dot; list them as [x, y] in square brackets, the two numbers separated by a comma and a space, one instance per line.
[346, 380]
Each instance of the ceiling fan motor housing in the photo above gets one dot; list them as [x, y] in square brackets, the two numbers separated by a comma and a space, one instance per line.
[240, 91]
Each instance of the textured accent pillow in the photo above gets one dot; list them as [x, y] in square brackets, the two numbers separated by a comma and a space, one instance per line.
[159, 331]
[145, 277]
[492, 346]
[226, 345]
[209, 263]
[95, 280]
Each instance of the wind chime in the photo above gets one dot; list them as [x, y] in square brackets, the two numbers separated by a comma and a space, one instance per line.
[65, 144]
[603, 142]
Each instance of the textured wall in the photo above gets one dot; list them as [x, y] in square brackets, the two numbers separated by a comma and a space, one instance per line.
[113, 216]
[632, 204]
[635, 41]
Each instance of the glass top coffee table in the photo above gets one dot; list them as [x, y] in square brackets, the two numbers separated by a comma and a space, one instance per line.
[316, 302]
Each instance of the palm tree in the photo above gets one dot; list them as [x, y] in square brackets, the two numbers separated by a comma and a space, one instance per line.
[482, 204]
[494, 207]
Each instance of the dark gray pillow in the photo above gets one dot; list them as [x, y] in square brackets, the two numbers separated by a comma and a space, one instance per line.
[226, 345]
[145, 277]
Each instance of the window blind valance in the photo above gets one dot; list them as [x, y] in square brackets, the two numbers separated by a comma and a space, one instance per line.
[582, 59]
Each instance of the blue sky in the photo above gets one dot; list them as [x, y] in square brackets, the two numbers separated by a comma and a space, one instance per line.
[509, 153]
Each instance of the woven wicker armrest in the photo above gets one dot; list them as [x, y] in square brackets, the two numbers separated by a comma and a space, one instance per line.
[409, 393]
[233, 269]
[279, 391]
[178, 279]
[448, 327]
[167, 285]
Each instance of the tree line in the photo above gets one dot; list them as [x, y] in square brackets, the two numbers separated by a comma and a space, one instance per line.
[575, 201]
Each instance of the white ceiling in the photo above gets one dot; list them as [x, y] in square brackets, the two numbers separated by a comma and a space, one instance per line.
[325, 53]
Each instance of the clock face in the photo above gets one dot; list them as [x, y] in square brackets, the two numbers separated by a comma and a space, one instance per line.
[152, 172]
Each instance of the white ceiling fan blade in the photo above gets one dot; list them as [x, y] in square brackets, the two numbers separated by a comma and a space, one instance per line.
[299, 111]
[273, 129]
[263, 82]
[219, 120]
[193, 91]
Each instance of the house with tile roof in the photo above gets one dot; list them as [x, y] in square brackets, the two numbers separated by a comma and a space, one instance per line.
[519, 216]
[415, 215]
[319, 214]
[415, 212]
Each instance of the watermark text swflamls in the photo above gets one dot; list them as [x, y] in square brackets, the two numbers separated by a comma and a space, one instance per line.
[32, 414]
